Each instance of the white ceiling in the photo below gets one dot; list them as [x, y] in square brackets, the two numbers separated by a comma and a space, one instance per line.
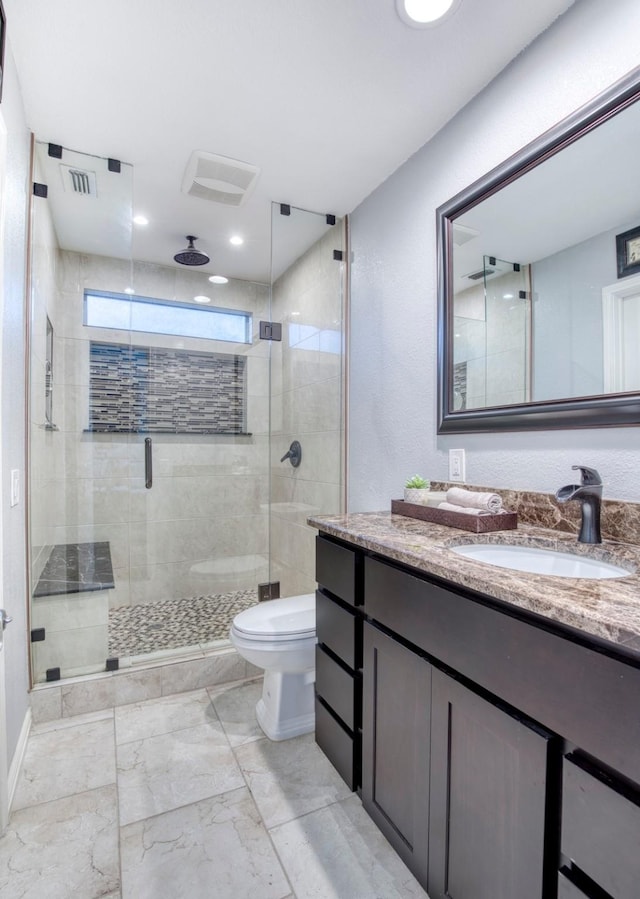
[327, 98]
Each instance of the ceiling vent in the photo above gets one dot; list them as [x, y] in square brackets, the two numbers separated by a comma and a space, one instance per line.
[462, 234]
[219, 179]
[79, 181]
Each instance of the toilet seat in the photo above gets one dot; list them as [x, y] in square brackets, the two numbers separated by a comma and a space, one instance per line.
[278, 620]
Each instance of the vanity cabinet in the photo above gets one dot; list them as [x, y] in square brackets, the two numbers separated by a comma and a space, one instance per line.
[338, 686]
[396, 745]
[500, 752]
[601, 827]
[489, 773]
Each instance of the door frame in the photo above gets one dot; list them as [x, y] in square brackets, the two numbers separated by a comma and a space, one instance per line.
[4, 757]
[613, 297]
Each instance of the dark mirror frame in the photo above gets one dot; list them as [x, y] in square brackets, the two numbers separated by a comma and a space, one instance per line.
[611, 410]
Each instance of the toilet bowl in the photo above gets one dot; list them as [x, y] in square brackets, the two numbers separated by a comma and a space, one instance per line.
[279, 635]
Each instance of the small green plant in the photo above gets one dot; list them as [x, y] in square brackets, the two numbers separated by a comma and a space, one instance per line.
[417, 483]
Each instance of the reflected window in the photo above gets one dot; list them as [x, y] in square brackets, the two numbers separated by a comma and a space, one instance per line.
[127, 313]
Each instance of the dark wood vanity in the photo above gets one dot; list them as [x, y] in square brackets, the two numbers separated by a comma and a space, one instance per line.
[496, 749]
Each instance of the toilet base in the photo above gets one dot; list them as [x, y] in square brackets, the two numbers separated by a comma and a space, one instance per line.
[287, 706]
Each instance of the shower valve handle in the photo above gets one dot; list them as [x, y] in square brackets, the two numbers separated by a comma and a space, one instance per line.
[294, 454]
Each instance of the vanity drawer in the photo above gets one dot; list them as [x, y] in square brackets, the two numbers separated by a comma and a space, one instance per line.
[336, 743]
[601, 828]
[336, 569]
[336, 686]
[579, 692]
[568, 890]
[336, 628]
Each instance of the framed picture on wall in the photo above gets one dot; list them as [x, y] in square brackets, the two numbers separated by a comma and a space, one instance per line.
[3, 29]
[628, 252]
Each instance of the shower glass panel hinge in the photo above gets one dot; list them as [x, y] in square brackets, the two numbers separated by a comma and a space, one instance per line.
[52, 674]
[269, 591]
[270, 331]
[37, 635]
[40, 190]
[338, 255]
[112, 664]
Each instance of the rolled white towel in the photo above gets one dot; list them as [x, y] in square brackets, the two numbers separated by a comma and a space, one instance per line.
[489, 502]
[466, 510]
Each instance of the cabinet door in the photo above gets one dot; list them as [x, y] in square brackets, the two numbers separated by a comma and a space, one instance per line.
[395, 752]
[488, 791]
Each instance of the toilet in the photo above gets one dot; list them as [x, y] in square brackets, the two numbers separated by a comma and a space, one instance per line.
[279, 635]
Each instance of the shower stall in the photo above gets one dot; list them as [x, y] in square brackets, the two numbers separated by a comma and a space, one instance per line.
[161, 407]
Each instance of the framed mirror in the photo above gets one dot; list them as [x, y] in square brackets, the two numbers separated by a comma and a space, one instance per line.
[539, 280]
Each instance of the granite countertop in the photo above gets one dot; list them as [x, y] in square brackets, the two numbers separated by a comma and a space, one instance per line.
[608, 609]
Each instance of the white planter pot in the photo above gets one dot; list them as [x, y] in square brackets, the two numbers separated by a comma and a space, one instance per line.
[414, 495]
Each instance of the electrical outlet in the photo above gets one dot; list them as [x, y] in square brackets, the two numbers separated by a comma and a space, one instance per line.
[457, 465]
[15, 486]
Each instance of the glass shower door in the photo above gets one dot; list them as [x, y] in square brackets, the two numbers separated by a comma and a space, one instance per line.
[198, 456]
[149, 439]
[307, 387]
[77, 481]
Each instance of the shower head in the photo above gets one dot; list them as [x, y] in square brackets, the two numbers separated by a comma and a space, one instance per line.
[191, 256]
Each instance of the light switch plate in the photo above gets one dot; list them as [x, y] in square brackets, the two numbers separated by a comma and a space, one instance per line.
[457, 465]
[15, 486]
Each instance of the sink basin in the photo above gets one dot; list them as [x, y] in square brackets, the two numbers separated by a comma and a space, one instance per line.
[539, 560]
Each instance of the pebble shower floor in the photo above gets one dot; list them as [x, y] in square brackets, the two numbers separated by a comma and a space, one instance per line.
[174, 623]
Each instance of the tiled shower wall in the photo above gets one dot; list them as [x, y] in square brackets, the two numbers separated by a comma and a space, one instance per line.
[306, 402]
[155, 390]
[203, 527]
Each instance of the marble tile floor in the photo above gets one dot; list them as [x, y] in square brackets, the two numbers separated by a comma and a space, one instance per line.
[182, 797]
[173, 623]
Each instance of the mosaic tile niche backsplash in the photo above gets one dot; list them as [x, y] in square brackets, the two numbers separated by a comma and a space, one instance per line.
[137, 389]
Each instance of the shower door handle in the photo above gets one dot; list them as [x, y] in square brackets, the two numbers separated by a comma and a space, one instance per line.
[148, 464]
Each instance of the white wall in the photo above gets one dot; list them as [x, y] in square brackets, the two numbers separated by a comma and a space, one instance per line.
[568, 316]
[13, 402]
[393, 298]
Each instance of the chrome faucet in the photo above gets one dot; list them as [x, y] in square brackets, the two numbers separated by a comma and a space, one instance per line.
[589, 495]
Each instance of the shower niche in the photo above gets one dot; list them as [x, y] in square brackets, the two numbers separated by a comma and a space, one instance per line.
[122, 573]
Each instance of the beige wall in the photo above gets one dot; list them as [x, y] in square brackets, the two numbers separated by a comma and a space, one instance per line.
[306, 404]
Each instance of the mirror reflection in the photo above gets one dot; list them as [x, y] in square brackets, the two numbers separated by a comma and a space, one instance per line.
[543, 287]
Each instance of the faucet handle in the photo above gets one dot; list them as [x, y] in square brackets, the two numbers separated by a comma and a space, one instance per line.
[590, 477]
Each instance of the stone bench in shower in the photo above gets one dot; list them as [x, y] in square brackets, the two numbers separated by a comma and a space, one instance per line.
[71, 603]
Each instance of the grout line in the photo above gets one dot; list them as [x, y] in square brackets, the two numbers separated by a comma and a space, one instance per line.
[117, 822]
[257, 808]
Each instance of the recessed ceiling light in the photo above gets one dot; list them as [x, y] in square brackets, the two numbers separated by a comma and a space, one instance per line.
[295, 313]
[507, 296]
[201, 299]
[140, 220]
[236, 240]
[129, 290]
[218, 279]
[423, 13]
